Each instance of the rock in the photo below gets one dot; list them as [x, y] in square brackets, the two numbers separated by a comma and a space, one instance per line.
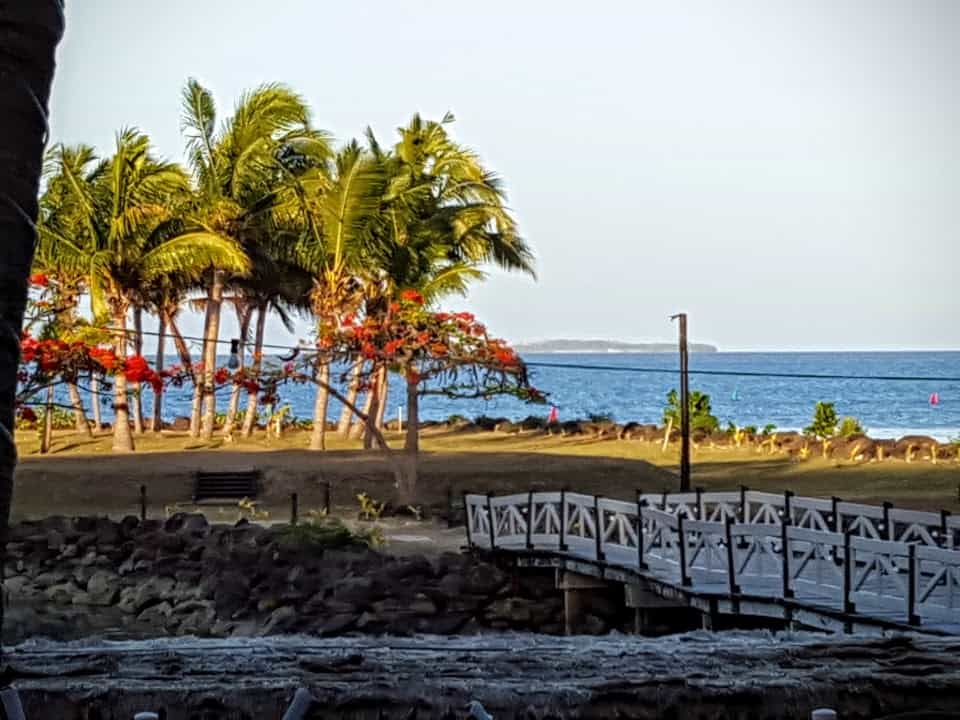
[507, 427]
[483, 578]
[180, 424]
[103, 588]
[512, 609]
[55, 540]
[156, 615]
[16, 585]
[152, 591]
[48, 579]
[231, 593]
[281, 620]
[592, 625]
[63, 593]
[422, 605]
[335, 624]
[359, 591]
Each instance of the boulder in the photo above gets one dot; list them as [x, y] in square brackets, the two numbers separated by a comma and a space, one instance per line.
[156, 616]
[103, 588]
[62, 593]
[232, 592]
[281, 620]
[152, 591]
[335, 624]
[180, 424]
[360, 592]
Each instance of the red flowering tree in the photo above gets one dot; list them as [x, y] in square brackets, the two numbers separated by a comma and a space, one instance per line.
[437, 353]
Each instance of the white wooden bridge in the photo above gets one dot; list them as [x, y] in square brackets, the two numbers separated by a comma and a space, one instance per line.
[815, 562]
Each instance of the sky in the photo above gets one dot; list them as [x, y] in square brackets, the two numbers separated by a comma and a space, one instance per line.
[785, 172]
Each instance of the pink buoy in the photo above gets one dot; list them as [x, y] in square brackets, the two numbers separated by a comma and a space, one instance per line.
[934, 399]
[554, 415]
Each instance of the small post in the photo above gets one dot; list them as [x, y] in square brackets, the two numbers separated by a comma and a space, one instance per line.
[887, 526]
[466, 518]
[787, 509]
[732, 585]
[743, 503]
[327, 508]
[684, 405]
[944, 540]
[598, 527]
[785, 559]
[294, 508]
[143, 503]
[835, 511]
[450, 505]
[641, 563]
[563, 519]
[493, 522]
[912, 617]
[529, 520]
[684, 576]
[663, 501]
[699, 503]
[848, 606]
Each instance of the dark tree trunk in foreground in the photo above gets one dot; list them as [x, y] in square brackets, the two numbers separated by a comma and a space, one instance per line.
[29, 33]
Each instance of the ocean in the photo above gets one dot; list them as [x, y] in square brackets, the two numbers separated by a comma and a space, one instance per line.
[885, 408]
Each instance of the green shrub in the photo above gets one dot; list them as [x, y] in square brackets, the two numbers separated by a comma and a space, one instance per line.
[455, 419]
[750, 429]
[824, 423]
[701, 414]
[768, 429]
[325, 532]
[850, 426]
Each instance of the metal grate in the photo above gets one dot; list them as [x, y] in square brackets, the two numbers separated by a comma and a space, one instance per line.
[226, 485]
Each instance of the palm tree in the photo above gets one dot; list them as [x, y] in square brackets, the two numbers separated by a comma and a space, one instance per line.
[240, 172]
[339, 222]
[445, 218]
[128, 241]
[31, 32]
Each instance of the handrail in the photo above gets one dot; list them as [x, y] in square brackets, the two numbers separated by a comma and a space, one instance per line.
[827, 553]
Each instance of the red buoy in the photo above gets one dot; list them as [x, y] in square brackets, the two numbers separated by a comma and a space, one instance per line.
[934, 399]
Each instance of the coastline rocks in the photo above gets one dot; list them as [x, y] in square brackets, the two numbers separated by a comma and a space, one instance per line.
[184, 576]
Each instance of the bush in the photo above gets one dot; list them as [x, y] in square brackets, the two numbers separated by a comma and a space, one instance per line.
[750, 429]
[850, 426]
[456, 419]
[768, 429]
[824, 423]
[600, 418]
[324, 532]
[701, 414]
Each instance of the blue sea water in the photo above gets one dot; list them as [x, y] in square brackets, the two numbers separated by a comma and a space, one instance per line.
[886, 408]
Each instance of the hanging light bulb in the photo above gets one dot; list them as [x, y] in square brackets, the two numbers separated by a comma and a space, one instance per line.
[234, 362]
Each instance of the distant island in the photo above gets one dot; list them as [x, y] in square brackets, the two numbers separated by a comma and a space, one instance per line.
[606, 346]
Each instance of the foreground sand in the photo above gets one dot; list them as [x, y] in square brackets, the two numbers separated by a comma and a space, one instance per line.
[82, 476]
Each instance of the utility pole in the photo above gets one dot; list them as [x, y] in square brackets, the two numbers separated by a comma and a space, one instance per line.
[684, 405]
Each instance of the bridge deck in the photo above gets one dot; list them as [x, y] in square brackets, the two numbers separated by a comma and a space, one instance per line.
[747, 552]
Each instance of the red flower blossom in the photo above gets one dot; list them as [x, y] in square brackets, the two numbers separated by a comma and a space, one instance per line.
[27, 414]
[221, 376]
[391, 347]
[137, 369]
[39, 280]
[412, 296]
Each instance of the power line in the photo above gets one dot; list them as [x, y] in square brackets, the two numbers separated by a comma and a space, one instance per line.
[643, 370]
[744, 373]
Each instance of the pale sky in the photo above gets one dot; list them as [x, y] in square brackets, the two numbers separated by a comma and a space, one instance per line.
[785, 172]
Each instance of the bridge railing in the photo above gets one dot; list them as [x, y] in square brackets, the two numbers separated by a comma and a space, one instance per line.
[745, 542]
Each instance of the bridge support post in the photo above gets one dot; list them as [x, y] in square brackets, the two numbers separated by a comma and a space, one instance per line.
[577, 590]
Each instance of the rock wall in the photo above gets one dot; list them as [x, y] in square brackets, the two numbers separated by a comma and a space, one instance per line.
[71, 577]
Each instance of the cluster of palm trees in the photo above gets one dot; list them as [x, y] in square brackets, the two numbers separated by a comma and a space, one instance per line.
[270, 218]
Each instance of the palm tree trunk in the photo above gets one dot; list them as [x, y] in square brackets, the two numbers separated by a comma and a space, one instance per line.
[407, 482]
[122, 438]
[251, 417]
[384, 397]
[318, 437]
[79, 415]
[412, 441]
[358, 429]
[244, 313]
[157, 424]
[29, 33]
[137, 389]
[179, 343]
[210, 337]
[343, 426]
[46, 432]
[375, 398]
[95, 402]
